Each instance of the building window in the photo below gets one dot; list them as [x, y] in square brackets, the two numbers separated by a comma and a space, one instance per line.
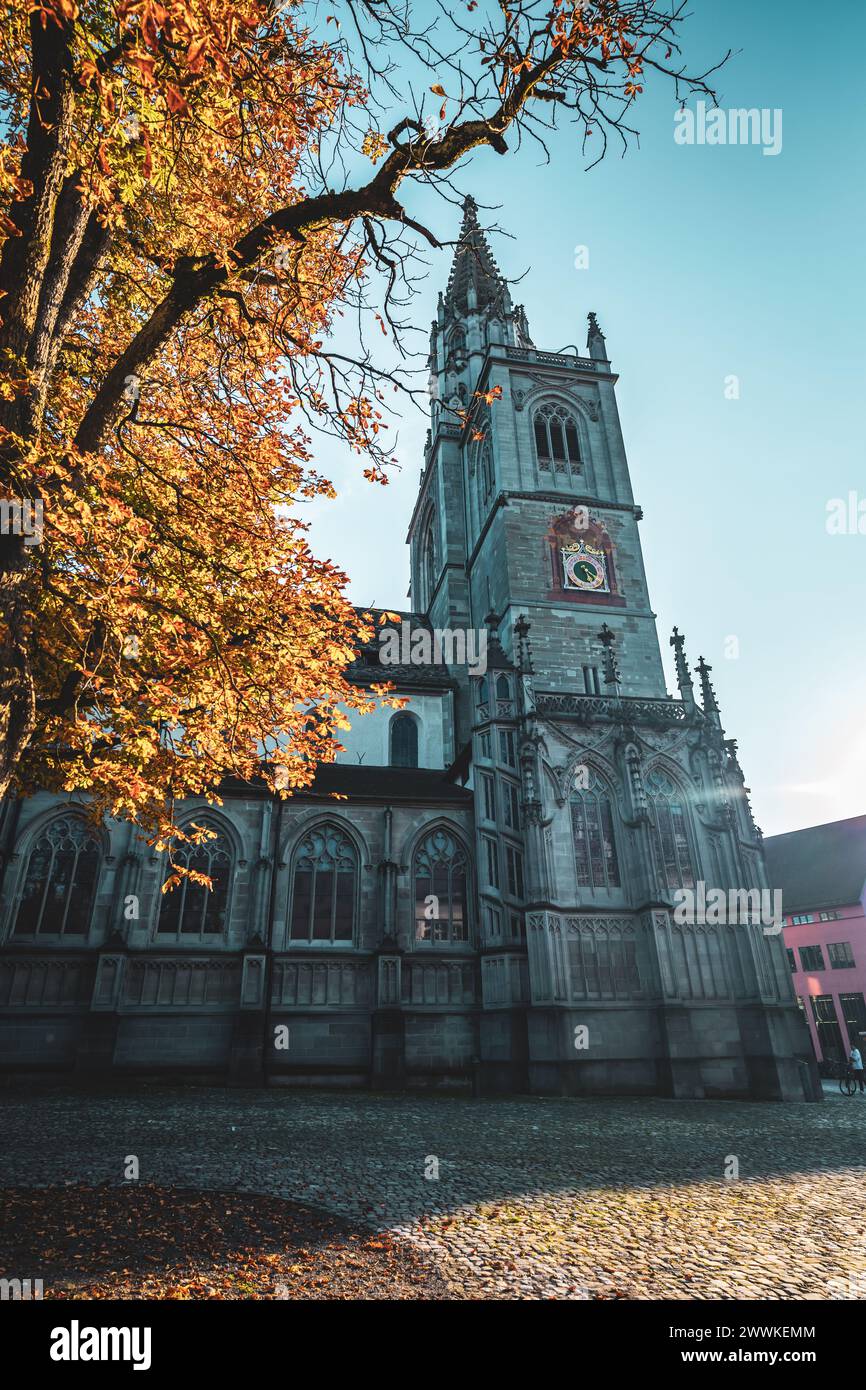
[60, 882]
[801, 921]
[557, 446]
[324, 888]
[827, 1027]
[514, 871]
[485, 471]
[840, 954]
[511, 804]
[429, 563]
[506, 747]
[591, 681]
[494, 922]
[481, 691]
[439, 873]
[491, 860]
[791, 960]
[517, 924]
[828, 916]
[811, 958]
[503, 688]
[489, 798]
[595, 857]
[404, 741]
[485, 747]
[457, 348]
[854, 1013]
[669, 831]
[190, 909]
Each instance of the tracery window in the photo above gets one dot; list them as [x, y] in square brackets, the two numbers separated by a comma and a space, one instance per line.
[557, 444]
[457, 347]
[324, 887]
[595, 856]
[60, 881]
[191, 909]
[439, 873]
[669, 824]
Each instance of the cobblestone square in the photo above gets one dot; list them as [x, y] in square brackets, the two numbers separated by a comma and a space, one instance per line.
[519, 1198]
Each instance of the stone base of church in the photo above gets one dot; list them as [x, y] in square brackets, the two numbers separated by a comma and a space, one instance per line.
[752, 1052]
[690, 1053]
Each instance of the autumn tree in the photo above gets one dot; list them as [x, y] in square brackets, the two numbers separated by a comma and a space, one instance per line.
[191, 191]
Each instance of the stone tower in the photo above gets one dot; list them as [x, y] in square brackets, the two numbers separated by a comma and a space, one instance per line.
[601, 802]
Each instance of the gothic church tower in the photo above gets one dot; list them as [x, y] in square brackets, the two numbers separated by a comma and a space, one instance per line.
[598, 797]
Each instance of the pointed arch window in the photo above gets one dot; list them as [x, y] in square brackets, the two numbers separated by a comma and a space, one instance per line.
[457, 348]
[503, 688]
[192, 911]
[439, 873]
[60, 881]
[557, 444]
[404, 741]
[485, 470]
[669, 825]
[595, 856]
[429, 562]
[324, 888]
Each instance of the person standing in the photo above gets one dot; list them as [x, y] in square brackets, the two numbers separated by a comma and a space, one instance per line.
[856, 1060]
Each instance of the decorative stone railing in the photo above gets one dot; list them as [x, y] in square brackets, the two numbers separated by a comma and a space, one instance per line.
[611, 708]
[553, 359]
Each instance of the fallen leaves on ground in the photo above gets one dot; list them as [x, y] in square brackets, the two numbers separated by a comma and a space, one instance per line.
[145, 1242]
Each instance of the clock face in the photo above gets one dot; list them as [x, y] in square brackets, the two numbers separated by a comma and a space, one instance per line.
[584, 568]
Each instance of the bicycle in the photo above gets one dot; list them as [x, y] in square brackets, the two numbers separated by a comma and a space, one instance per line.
[847, 1081]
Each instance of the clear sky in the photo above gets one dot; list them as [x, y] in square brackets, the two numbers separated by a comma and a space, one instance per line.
[706, 262]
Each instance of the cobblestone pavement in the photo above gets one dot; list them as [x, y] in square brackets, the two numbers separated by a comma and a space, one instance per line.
[535, 1197]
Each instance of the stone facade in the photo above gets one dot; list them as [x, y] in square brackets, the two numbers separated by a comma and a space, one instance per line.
[495, 902]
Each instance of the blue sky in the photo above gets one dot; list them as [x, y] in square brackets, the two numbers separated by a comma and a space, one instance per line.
[706, 262]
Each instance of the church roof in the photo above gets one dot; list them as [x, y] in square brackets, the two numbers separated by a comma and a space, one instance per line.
[369, 669]
[386, 784]
[822, 866]
[473, 265]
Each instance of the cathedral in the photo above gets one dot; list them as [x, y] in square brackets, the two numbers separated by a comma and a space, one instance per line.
[490, 904]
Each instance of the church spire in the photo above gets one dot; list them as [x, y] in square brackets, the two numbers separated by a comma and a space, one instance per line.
[595, 344]
[684, 680]
[475, 283]
[708, 695]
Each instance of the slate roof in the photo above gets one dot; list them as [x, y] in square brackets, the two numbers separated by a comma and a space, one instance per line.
[821, 867]
[368, 669]
[386, 784]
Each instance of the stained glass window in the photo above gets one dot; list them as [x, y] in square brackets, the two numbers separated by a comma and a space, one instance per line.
[595, 856]
[324, 888]
[669, 831]
[439, 874]
[60, 882]
[191, 909]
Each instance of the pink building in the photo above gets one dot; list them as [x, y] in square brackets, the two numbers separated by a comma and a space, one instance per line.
[822, 874]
